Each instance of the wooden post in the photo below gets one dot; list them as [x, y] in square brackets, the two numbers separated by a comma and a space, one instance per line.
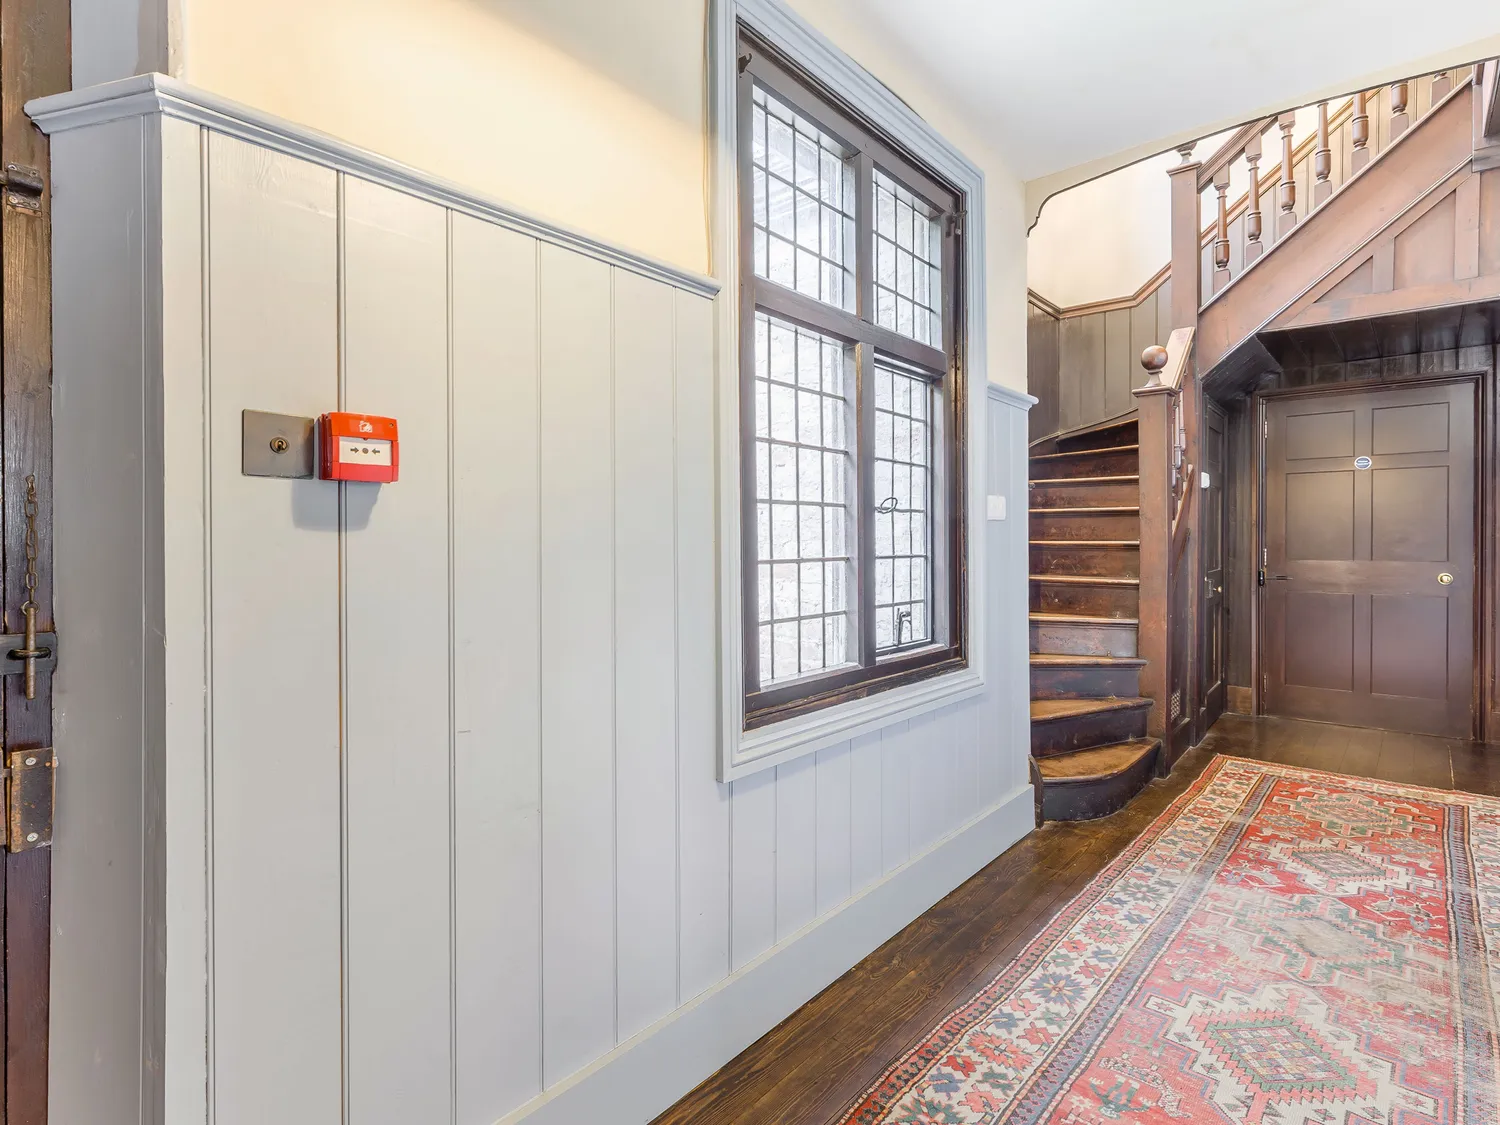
[1322, 159]
[1359, 129]
[1221, 230]
[1400, 120]
[1253, 245]
[1287, 219]
[1156, 435]
[1187, 274]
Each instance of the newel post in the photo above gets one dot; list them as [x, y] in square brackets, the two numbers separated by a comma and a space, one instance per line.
[1157, 406]
[1187, 272]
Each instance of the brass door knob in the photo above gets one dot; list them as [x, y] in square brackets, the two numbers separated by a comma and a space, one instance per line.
[1445, 579]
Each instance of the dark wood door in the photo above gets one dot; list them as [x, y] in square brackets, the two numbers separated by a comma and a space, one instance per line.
[34, 61]
[1370, 557]
[1211, 676]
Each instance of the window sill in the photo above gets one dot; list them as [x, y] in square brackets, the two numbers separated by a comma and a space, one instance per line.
[785, 741]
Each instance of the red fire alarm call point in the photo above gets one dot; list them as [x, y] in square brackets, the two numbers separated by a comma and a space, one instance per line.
[361, 447]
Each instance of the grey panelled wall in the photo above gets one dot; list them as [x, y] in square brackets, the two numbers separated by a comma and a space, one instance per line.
[440, 756]
[1087, 375]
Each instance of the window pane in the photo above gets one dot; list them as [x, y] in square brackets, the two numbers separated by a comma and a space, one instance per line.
[804, 213]
[908, 264]
[903, 501]
[803, 559]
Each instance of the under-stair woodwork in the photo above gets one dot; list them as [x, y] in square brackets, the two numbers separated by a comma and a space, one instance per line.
[1088, 717]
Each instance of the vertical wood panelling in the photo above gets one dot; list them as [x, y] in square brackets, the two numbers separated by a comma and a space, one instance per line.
[865, 763]
[273, 317]
[702, 802]
[497, 788]
[1071, 398]
[398, 744]
[577, 660]
[1142, 336]
[1117, 363]
[796, 845]
[834, 827]
[184, 404]
[645, 654]
[895, 796]
[929, 759]
[753, 864]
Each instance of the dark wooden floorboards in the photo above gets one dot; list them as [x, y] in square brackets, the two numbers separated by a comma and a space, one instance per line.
[808, 1068]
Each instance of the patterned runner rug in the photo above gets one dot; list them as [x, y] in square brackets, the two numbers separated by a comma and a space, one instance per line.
[1281, 946]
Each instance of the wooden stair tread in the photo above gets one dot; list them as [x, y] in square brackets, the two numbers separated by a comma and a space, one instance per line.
[1085, 580]
[1090, 544]
[1095, 763]
[1082, 511]
[1083, 619]
[1083, 452]
[1064, 660]
[1055, 710]
[1086, 480]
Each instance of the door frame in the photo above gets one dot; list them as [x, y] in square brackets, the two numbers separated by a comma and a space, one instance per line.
[1486, 720]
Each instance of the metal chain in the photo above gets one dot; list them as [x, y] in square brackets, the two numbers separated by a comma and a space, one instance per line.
[30, 511]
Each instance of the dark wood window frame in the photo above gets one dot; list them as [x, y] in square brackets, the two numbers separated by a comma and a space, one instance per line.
[869, 671]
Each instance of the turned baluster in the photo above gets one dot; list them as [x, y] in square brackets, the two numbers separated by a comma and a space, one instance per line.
[1322, 159]
[1400, 94]
[1253, 246]
[1288, 217]
[1359, 128]
[1221, 239]
[1442, 82]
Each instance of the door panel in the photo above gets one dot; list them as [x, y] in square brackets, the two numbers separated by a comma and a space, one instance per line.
[1369, 499]
[1212, 661]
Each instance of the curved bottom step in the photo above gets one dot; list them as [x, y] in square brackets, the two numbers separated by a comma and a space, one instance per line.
[1087, 784]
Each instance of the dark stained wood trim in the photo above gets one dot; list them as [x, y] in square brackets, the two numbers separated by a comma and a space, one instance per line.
[1150, 286]
[34, 61]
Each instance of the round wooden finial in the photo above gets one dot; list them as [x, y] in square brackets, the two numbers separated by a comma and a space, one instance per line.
[1154, 358]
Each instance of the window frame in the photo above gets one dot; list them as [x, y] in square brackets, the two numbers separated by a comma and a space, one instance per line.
[742, 753]
[761, 63]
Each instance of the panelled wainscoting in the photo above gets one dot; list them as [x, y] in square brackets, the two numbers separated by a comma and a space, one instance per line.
[398, 804]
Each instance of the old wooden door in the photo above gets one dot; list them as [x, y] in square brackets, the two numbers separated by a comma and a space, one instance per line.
[1370, 563]
[1211, 677]
[33, 62]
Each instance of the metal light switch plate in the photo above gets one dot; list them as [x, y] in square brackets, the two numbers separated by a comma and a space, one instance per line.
[277, 445]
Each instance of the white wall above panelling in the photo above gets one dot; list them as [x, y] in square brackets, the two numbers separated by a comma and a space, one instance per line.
[499, 878]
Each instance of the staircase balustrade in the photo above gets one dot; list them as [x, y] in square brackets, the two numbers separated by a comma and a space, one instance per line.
[1348, 133]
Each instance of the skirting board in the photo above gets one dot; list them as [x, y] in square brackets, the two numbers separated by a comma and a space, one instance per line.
[645, 1075]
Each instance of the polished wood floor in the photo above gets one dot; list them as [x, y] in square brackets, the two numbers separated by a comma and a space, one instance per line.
[807, 1069]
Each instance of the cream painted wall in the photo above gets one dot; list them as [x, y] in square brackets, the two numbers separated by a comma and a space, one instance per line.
[585, 113]
[589, 114]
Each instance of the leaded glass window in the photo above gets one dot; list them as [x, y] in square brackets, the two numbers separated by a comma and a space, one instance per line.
[851, 409]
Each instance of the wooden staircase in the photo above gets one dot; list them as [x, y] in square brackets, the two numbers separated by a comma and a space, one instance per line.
[1088, 719]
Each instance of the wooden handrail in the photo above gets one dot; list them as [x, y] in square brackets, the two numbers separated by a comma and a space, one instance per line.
[1228, 152]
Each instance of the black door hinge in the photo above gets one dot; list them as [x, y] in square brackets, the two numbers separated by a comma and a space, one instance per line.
[23, 187]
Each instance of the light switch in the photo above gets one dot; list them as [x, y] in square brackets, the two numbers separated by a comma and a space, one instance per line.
[997, 507]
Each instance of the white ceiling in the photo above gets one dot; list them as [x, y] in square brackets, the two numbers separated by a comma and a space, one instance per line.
[1077, 86]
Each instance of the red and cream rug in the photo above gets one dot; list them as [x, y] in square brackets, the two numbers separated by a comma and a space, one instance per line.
[1281, 946]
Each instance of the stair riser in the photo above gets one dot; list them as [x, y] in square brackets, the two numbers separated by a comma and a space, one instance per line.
[1051, 682]
[1089, 800]
[1079, 732]
[1083, 640]
[1114, 463]
[1090, 601]
[1093, 495]
[1085, 525]
[1101, 439]
[1108, 562]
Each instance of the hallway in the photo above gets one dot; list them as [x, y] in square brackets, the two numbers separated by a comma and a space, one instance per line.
[809, 1068]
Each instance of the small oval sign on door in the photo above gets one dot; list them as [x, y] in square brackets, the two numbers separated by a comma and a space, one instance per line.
[1362, 462]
